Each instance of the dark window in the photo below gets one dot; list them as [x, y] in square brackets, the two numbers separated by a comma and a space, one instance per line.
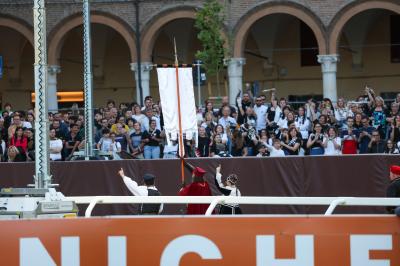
[308, 46]
[395, 38]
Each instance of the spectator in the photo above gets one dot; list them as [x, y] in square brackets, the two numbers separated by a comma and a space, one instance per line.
[72, 141]
[209, 109]
[224, 103]
[350, 137]
[19, 140]
[315, 141]
[292, 143]
[275, 150]
[55, 147]
[30, 135]
[218, 148]
[376, 145]
[105, 141]
[365, 135]
[302, 124]
[115, 146]
[391, 148]
[152, 139]
[203, 149]
[122, 137]
[16, 122]
[3, 150]
[262, 151]
[15, 154]
[99, 133]
[137, 141]
[395, 129]
[341, 113]
[226, 119]
[332, 143]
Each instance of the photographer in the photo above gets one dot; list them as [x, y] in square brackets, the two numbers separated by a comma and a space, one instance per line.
[376, 145]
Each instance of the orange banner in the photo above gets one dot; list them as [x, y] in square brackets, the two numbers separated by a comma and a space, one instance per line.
[261, 241]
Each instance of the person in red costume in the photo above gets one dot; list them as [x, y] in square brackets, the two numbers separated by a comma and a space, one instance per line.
[198, 187]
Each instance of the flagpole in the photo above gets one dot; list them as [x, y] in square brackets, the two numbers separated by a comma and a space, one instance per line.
[181, 147]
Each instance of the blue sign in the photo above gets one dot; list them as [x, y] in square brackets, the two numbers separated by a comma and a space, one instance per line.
[1, 67]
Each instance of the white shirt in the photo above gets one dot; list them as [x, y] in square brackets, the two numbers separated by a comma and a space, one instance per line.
[304, 126]
[26, 124]
[227, 121]
[261, 112]
[234, 191]
[274, 152]
[137, 190]
[330, 147]
[282, 123]
[54, 144]
[142, 119]
[278, 112]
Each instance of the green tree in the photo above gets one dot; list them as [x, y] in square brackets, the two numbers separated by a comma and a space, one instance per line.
[209, 22]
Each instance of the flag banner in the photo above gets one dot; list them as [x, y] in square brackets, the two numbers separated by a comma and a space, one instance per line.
[169, 102]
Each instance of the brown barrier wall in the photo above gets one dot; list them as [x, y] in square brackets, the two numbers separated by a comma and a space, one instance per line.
[357, 176]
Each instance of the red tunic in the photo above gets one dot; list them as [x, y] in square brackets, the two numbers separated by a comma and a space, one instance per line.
[196, 189]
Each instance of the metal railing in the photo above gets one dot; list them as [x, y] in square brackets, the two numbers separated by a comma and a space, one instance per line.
[332, 202]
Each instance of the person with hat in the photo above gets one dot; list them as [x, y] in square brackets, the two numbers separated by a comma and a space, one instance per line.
[198, 187]
[229, 190]
[149, 189]
[393, 191]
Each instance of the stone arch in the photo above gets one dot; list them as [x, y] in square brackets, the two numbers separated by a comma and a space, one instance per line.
[346, 14]
[150, 33]
[16, 25]
[59, 33]
[245, 23]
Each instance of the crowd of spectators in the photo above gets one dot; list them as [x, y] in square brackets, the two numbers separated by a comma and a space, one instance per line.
[261, 125]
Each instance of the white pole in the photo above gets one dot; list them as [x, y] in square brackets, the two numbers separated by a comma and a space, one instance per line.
[42, 167]
[88, 81]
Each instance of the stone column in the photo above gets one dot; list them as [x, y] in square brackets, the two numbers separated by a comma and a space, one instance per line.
[329, 69]
[146, 67]
[235, 74]
[52, 87]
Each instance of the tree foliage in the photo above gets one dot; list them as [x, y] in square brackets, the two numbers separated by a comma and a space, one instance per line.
[209, 22]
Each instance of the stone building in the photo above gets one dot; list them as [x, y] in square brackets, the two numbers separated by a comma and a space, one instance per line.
[302, 47]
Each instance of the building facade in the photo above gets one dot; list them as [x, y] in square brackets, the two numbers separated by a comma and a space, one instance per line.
[301, 47]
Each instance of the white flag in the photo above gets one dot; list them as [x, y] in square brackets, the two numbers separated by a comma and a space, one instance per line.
[169, 102]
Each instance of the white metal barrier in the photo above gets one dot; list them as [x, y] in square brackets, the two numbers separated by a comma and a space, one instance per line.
[333, 202]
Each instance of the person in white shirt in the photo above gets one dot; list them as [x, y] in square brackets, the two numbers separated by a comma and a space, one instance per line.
[105, 142]
[261, 112]
[332, 143]
[55, 146]
[149, 189]
[276, 149]
[227, 120]
[230, 189]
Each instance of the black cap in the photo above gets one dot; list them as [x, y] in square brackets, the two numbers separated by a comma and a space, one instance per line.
[148, 177]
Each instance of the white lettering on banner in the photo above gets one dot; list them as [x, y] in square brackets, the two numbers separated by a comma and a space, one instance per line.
[178, 247]
[360, 245]
[117, 251]
[33, 253]
[304, 251]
